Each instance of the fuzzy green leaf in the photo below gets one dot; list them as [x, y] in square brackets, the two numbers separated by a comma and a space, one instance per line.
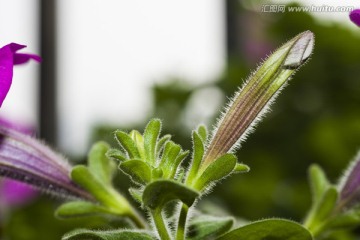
[116, 154]
[79, 209]
[139, 171]
[127, 143]
[139, 142]
[202, 131]
[208, 227]
[99, 164]
[160, 192]
[103, 193]
[217, 170]
[168, 161]
[161, 143]
[274, 229]
[82, 234]
[199, 149]
[241, 168]
[136, 194]
[151, 135]
[182, 155]
[157, 173]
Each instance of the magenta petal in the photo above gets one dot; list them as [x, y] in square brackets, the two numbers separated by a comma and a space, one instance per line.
[27, 160]
[8, 58]
[21, 58]
[6, 71]
[355, 17]
[14, 193]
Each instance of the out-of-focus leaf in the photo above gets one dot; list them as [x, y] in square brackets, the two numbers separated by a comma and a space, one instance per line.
[103, 193]
[209, 227]
[79, 209]
[116, 154]
[99, 164]
[82, 234]
[318, 182]
[274, 229]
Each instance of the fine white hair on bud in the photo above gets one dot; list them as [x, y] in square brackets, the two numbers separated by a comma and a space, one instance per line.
[254, 98]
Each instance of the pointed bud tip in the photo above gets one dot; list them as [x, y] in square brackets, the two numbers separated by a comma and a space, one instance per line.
[300, 51]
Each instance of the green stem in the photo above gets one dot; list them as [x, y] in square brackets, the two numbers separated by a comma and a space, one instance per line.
[180, 235]
[137, 219]
[160, 224]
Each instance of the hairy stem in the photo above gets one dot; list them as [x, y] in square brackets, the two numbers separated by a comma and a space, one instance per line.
[180, 235]
[160, 224]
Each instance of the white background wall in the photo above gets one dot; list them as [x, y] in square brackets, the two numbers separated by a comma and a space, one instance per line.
[111, 52]
[19, 23]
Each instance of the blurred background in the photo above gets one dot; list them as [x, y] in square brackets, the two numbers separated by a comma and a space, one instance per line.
[114, 64]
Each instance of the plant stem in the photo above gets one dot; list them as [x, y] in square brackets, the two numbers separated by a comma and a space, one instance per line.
[180, 235]
[160, 224]
[137, 219]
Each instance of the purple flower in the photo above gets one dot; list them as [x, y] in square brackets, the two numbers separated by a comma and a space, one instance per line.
[355, 17]
[14, 193]
[8, 58]
[26, 159]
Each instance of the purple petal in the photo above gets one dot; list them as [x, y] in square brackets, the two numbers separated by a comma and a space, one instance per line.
[23, 128]
[350, 184]
[355, 17]
[14, 193]
[6, 71]
[21, 58]
[27, 160]
[9, 58]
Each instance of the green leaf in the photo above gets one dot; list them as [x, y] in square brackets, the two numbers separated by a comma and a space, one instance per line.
[116, 154]
[199, 149]
[182, 155]
[79, 209]
[217, 170]
[82, 234]
[157, 173]
[151, 135]
[127, 143]
[208, 227]
[136, 194]
[349, 219]
[318, 182]
[99, 164]
[139, 142]
[202, 131]
[322, 210]
[241, 168]
[103, 193]
[168, 160]
[139, 171]
[271, 229]
[161, 143]
[160, 192]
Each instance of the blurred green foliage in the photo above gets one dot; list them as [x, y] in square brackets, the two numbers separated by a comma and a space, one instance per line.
[315, 120]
